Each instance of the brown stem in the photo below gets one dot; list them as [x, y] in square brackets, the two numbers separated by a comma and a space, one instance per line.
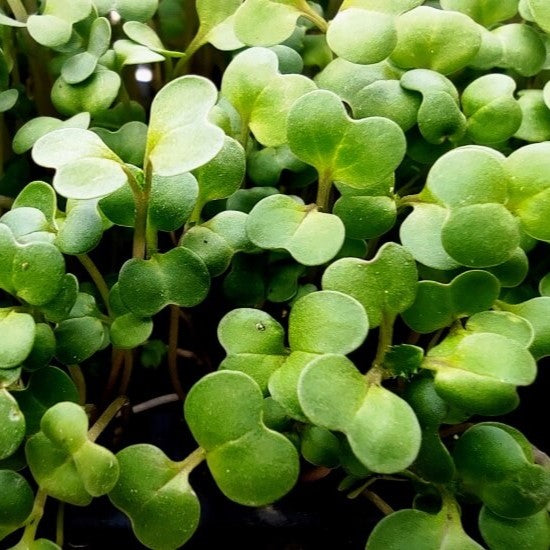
[173, 351]
[379, 502]
[103, 421]
[127, 372]
[80, 382]
[117, 358]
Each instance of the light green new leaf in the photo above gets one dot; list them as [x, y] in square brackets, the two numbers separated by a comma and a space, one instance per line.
[479, 372]
[18, 330]
[385, 285]
[540, 11]
[535, 123]
[128, 142]
[266, 22]
[146, 36]
[54, 26]
[359, 153]
[428, 38]
[129, 331]
[180, 137]
[81, 229]
[12, 425]
[87, 169]
[131, 53]
[505, 323]
[484, 12]
[362, 36]
[8, 99]
[64, 462]
[38, 127]
[155, 493]
[262, 95]
[130, 10]
[310, 236]
[327, 322]
[216, 24]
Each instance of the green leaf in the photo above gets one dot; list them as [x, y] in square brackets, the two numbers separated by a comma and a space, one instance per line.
[522, 48]
[540, 12]
[327, 322]
[266, 22]
[502, 476]
[75, 165]
[130, 53]
[493, 113]
[366, 217]
[480, 235]
[421, 530]
[484, 12]
[128, 142]
[428, 38]
[12, 425]
[385, 285]
[505, 323]
[223, 175]
[40, 195]
[359, 153]
[54, 26]
[251, 464]
[479, 372]
[43, 348]
[46, 388]
[262, 95]
[254, 343]
[17, 501]
[535, 123]
[180, 137]
[467, 175]
[320, 447]
[310, 236]
[78, 339]
[59, 307]
[38, 127]
[155, 493]
[129, 331]
[544, 285]
[420, 234]
[65, 464]
[334, 395]
[536, 312]
[82, 228]
[362, 36]
[529, 188]
[505, 534]
[8, 99]
[176, 277]
[18, 330]
[95, 94]
[217, 23]
[129, 10]
[437, 305]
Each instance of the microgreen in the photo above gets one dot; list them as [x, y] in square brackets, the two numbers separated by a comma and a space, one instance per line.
[350, 199]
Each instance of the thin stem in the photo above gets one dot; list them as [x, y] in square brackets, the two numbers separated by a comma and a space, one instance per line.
[356, 492]
[19, 10]
[80, 382]
[59, 526]
[379, 502]
[141, 201]
[29, 534]
[103, 421]
[156, 402]
[173, 351]
[309, 13]
[127, 372]
[193, 460]
[324, 189]
[97, 278]
[151, 238]
[190, 51]
[435, 339]
[117, 359]
[385, 338]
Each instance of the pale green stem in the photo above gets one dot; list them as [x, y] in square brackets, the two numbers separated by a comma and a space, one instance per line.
[309, 13]
[141, 201]
[376, 374]
[193, 460]
[80, 382]
[324, 189]
[97, 278]
[59, 526]
[29, 534]
[103, 421]
[19, 10]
